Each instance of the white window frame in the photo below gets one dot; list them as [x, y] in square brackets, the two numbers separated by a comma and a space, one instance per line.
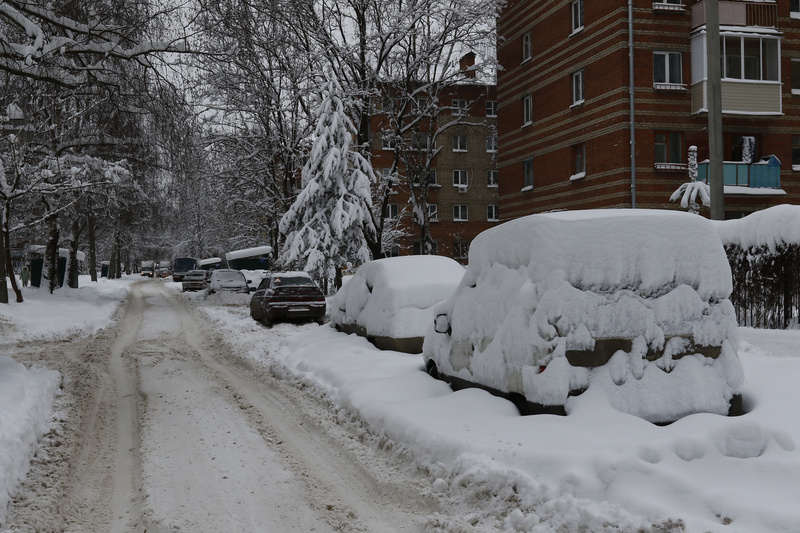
[491, 143]
[794, 9]
[578, 96]
[527, 110]
[795, 65]
[392, 211]
[725, 38]
[460, 213]
[492, 212]
[576, 9]
[491, 108]
[527, 174]
[433, 212]
[669, 60]
[492, 177]
[460, 143]
[459, 106]
[578, 161]
[388, 141]
[460, 178]
[527, 46]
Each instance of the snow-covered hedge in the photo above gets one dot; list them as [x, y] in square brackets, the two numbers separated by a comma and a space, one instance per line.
[632, 301]
[390, 300]
[764, 253]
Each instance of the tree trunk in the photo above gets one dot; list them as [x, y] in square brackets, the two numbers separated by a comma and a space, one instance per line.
[71, 275]
[92, 240]
[5, 242]
[50, 270]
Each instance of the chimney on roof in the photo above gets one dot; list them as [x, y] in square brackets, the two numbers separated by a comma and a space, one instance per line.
[467, 65]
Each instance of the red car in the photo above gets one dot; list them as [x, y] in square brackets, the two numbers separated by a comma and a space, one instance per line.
[288, 296]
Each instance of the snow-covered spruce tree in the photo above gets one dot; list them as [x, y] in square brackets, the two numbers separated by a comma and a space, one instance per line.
[688, 192]
[327, 224]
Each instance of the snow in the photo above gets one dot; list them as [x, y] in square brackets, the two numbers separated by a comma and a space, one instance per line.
[248, 252]
[394, 297]
[770, 228]
[543, 289]
[597, 469]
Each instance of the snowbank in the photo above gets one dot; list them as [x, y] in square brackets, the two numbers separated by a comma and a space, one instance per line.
[771, 228]
[394, 297]
[632, 302]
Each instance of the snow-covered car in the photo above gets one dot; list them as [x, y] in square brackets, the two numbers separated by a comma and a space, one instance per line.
[633, 303]
[226, 280]
[288, 296]
[390, 301]
[194, 280]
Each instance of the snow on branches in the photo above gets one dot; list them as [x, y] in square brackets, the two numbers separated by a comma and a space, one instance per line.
[325, 227]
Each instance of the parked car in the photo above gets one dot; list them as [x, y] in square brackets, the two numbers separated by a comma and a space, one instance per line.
[287, 296]
[226, 280]
[630, 304]
[390, 301]
[194, 280]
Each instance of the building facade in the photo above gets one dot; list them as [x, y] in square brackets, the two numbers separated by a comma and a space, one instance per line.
[573, 138]
[455, 152]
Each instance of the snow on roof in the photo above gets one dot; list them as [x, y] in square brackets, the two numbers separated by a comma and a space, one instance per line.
[62, 252]
[248, 252]
[771, 228]
[395, 296]
[609, 249]
[209, 261]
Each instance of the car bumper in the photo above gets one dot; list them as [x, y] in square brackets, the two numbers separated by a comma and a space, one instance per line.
[295, 311]
[193, 286]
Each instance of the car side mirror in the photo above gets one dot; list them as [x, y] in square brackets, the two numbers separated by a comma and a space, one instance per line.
[441, 324]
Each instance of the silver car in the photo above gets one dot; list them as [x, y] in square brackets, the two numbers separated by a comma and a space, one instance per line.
[225, 280]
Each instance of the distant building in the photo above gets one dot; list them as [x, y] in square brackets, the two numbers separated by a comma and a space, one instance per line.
[463, 199]
[565, 108]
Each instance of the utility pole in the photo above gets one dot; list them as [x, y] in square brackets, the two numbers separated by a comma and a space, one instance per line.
[716, 180]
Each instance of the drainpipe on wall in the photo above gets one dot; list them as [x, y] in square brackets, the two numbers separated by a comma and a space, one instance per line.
[633, 118]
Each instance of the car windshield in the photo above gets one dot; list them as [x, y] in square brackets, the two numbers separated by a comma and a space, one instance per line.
[296, 281]
[229, 276]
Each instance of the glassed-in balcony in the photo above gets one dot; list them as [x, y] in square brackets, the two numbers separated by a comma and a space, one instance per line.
[763, 174]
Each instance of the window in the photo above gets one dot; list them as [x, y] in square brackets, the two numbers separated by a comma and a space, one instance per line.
[392, 211]
[491, 142]
[459, 106]
[432, 180]
[577, 15]
[668, 147]
[667, 68]
[459, 143]
[386, 173]
[433, 211]
[796, 152]
[578, 161]
[420, 104]
[419, 141]
[491, 178]
[796, 74]
[750, 58]
[418, 248]
[527, 110]
[460, 249]
[460, 213]
[392, 251]
[527, 173]
[491, 107]
[577, 87]
[460, 178]
[527, 49]
[794, 8]
[388, 140]
[492, 212]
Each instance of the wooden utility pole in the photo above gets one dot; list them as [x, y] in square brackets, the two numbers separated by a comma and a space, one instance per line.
[716, 179]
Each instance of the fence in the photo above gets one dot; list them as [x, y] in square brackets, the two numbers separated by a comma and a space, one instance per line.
[766, 292]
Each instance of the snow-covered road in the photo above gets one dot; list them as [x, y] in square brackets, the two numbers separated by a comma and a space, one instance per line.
[169, 432]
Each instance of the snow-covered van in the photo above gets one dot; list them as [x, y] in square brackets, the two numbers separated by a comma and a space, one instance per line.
[390, 301]
[633, 303]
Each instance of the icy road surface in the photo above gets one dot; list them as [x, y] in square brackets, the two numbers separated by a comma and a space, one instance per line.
[163, 430]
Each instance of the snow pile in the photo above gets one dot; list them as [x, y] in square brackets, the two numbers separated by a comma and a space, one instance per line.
[771, 228]
[26, 401]
[394, 297]
[546, 295]
[91, 308]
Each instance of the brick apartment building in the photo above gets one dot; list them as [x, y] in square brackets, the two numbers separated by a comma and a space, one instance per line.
[463, 199]
[565, 110]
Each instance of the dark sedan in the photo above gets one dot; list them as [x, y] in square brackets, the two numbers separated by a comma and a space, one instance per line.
[288, 296]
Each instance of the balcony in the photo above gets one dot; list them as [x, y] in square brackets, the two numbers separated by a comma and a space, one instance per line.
[755, 14]
[766, 174]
